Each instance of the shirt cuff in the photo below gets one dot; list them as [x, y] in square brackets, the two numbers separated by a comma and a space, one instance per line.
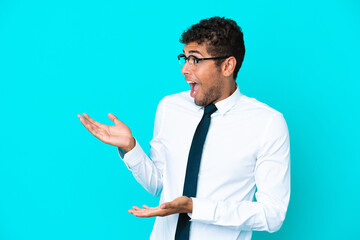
[133, 157]
[203, 210]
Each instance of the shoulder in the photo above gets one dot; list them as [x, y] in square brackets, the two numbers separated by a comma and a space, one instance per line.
[178, 101]
[250, 104]
[182, 97]
[273, 120]
[257, 113]
[269, 120]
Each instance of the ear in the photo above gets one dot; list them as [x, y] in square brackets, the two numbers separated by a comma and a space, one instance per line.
[228, 66]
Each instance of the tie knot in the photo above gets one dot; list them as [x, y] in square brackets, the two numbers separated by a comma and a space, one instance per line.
[210, 109]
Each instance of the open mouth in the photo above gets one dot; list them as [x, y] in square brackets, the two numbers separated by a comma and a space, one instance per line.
[194, 88]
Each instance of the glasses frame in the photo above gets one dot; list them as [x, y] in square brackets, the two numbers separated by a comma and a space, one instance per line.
[197, 60]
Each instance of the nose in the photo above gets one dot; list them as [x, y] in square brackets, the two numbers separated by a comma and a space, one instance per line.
[186, 69]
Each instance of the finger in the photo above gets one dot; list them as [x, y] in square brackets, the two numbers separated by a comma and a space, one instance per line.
[93, 129]
[93, 121]
[85, 122]
[81, 117]
[152, 212]
[135, 209]
[145, 206]
[138, 211]
[114, 119]
[131, 211]
[145, 213]
[89, 126]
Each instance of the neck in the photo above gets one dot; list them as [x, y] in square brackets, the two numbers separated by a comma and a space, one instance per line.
[228, 90]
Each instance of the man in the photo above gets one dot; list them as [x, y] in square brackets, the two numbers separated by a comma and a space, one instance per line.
[243, 145]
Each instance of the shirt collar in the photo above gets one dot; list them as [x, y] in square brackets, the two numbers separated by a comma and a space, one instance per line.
[226, 104]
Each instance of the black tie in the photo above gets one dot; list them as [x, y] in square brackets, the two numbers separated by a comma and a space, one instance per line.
[192, 170]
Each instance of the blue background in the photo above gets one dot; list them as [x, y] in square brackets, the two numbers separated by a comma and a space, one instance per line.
[62, 58]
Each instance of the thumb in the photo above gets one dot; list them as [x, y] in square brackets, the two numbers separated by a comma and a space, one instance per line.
[114, 119]
[165, 205]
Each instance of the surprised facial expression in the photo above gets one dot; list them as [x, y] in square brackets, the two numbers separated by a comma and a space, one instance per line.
[204, 77]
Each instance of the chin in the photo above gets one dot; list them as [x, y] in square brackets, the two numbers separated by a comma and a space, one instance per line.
[200, 102]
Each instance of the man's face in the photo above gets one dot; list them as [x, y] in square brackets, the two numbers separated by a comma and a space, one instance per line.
[204, 77]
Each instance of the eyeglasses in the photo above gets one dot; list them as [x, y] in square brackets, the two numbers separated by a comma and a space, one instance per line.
[193, 61]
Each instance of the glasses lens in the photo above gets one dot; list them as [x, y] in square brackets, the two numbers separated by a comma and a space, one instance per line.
[182, 60]
[192, 60]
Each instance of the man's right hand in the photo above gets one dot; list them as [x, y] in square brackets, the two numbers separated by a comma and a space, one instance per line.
[118, 135]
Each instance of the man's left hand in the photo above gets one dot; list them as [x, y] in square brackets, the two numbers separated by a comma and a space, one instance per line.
[181, 204]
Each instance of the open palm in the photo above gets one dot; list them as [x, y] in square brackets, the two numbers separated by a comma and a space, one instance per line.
[118, 135]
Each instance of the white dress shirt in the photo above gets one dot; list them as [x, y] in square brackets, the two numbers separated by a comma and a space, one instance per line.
[246, 148]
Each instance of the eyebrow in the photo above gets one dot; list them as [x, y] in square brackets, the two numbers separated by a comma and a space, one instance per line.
[193, 51]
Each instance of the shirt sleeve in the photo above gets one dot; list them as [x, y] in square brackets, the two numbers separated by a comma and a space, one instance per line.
[148, 171]
[272, 177]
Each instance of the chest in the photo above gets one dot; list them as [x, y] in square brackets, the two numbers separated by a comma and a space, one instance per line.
[230, 147]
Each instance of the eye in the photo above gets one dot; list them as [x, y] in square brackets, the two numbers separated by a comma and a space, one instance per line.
[196, 60]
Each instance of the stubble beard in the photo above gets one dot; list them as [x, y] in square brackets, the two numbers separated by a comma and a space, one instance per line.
[210, 95]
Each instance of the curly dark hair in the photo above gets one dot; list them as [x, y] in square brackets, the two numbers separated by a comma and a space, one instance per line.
[222, 36]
